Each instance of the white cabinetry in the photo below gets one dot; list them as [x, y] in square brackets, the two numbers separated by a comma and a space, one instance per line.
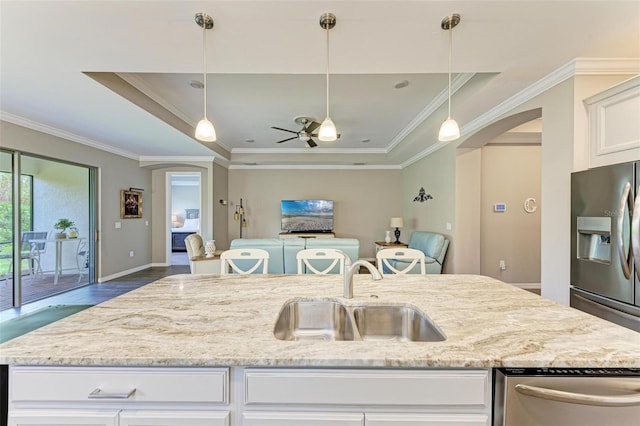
[285, 235]
[64, 417]
[118, 396]
[373, 397]
[614, 126]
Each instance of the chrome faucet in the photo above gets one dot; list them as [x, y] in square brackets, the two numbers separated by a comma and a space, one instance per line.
[351, 269]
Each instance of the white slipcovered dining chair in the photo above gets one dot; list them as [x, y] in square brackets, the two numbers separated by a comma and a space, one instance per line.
[244, 261]
[314, 259]
[411, 256]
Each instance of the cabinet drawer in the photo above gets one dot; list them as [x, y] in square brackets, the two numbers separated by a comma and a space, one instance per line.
[301, 419]
[368, 387]
[173, 418]
[63, 418]
[76, 384]
[427, 420]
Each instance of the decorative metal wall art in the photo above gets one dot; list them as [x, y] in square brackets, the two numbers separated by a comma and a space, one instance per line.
[422, 196]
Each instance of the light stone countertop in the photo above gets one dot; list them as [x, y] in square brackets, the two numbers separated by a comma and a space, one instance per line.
[208, 320]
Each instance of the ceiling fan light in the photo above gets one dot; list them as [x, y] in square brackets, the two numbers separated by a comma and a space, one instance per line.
[449, 131]
[327, 131]
[205, 131]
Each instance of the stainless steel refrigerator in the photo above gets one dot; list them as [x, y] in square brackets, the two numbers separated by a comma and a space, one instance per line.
[605, 243]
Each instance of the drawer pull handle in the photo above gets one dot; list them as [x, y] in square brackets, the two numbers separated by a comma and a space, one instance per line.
[98, 394]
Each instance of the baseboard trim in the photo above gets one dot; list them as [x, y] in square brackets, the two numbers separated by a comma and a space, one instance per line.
[123, 273]
[528, 286]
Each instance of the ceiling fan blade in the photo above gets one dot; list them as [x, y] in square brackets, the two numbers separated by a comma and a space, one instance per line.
[284, 140]
[312, 126]
[311, 143]
[284, 130]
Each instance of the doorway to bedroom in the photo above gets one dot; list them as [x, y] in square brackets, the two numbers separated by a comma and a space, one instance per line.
[184, 213]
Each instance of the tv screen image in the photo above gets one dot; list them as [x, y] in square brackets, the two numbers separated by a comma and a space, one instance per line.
[307, 215]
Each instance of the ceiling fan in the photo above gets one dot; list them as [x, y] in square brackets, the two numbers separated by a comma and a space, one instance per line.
[305, 134]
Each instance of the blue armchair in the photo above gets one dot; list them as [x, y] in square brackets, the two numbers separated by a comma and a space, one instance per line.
[434, 246]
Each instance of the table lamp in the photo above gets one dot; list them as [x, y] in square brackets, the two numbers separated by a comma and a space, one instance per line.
[396, 222]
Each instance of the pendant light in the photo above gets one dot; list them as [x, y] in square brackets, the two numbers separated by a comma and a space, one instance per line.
[327, 131]
[204, 130]
[449, 131]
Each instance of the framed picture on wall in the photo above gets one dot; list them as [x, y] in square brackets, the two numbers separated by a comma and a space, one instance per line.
[130, 204]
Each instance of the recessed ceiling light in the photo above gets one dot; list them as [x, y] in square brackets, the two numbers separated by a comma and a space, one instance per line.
[401, 84]
[196, 84]
[366, 140]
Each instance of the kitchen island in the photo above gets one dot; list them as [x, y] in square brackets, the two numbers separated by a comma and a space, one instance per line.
[222, 329]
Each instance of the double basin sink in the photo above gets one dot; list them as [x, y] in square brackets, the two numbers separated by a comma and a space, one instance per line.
[333, 319]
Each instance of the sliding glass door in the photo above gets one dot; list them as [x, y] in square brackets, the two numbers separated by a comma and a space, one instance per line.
[48, 245]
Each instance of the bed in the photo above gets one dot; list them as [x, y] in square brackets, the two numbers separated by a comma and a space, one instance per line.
[190, 226]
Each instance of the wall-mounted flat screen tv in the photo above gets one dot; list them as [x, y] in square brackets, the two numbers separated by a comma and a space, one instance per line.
[307, 215]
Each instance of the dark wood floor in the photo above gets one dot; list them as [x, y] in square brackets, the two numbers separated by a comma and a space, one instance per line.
[97, 293]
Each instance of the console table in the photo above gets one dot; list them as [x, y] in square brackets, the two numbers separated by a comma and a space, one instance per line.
[284, 235]
[382, 245]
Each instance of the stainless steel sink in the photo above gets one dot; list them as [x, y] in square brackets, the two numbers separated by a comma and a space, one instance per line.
[395, 322]
[328, 319]
[314, 320]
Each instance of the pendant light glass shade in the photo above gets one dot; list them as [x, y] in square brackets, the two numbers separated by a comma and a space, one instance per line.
[327, 131]
[449, 130]
[205, 131]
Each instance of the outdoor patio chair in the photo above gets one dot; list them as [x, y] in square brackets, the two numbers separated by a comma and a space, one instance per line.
[32, 245]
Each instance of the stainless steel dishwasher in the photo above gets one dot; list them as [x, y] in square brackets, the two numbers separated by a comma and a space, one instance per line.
[566, 397]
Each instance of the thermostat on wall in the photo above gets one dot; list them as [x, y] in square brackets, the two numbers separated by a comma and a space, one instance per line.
[500, 207]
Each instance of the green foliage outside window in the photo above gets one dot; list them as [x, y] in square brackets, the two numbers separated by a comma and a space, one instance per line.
[6, 220]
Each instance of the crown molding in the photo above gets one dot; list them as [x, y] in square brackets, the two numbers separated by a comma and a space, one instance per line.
[313, 167]
[309, 151]
[610, 66]
[578, 66]
[53, 131]
[458, 82]
[193, 160]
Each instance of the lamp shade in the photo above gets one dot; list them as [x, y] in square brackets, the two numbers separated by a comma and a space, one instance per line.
[327, 131]
[205, 131]
[449, 131]
[174, 218]
[396, 222]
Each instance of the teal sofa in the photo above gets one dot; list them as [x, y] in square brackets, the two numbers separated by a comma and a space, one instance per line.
[282, 252]
[433, 245]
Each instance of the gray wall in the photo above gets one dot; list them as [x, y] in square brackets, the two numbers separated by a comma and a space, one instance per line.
[115, 173]
[510, 174]
[364, 200]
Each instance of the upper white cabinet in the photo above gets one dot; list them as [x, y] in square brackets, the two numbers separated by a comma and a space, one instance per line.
[614, 124]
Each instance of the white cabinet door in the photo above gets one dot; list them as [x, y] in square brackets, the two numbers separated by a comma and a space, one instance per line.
[261, 418]
[173, 418]
[426, 420]
[63, 417]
